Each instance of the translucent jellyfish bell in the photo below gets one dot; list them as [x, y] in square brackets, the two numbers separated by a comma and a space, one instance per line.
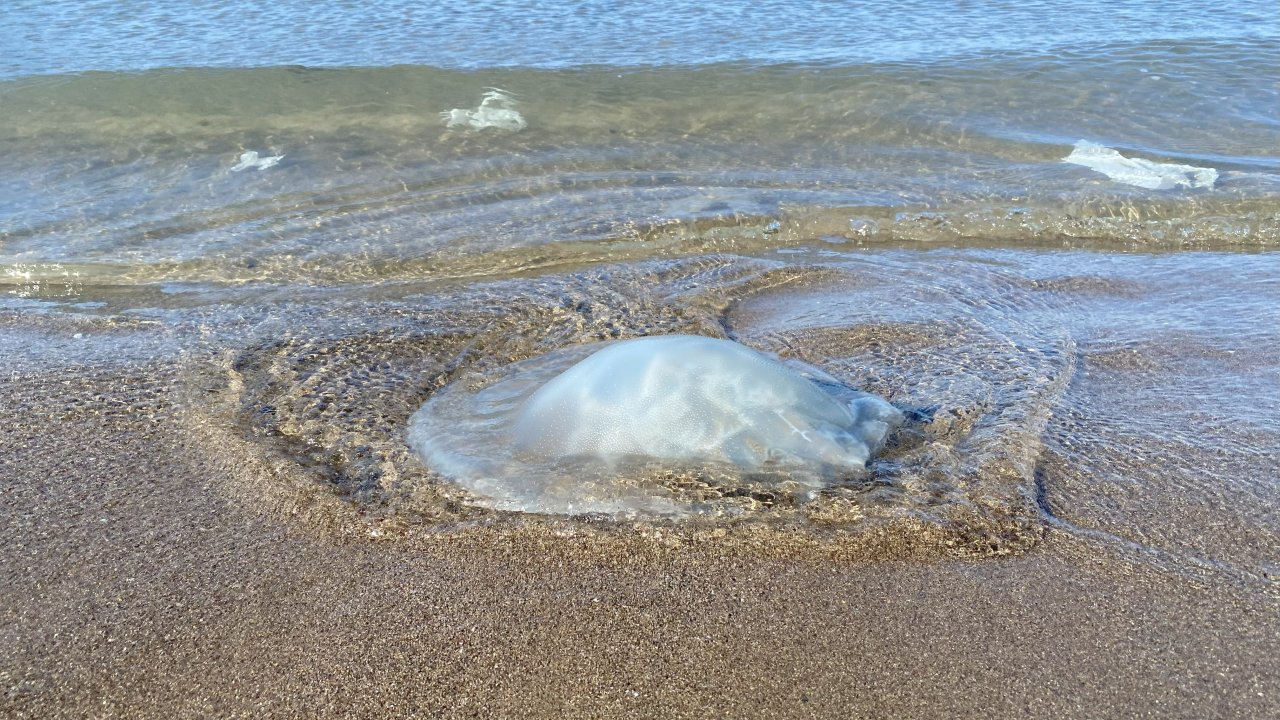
[497, 110]
[695, 398]
[251, 159]
[567, 442]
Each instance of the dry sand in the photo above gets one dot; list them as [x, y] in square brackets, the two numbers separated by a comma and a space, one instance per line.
[131, 585]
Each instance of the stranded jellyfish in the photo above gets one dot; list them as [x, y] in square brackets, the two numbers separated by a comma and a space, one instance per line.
[595, 437]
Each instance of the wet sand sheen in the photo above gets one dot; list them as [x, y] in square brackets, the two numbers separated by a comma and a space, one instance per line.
[135, 589]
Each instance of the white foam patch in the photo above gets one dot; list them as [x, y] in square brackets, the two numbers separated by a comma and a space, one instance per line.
[497, 110]
[1139, 172]
[251, 160]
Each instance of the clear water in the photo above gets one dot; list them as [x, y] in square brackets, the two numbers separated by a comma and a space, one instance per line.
[878, 190]
[121, 125]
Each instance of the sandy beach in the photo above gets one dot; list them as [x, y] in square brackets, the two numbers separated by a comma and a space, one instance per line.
[932, 360]
[133, 587]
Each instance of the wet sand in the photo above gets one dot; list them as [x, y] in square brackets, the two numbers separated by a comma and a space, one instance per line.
[132, 585]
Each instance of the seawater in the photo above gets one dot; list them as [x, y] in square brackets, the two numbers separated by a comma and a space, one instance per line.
[59, 36]
[324, 216]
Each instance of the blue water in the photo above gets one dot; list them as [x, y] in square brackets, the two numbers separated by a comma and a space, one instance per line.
[41, 36]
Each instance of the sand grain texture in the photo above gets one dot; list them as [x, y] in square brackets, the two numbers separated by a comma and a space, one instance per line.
[132, 587]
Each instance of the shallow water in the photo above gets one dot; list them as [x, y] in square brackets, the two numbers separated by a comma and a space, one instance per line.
[1074, 353]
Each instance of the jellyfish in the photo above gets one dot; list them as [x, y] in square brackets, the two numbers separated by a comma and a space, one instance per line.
[684, 397]
[557, 437]
[251, 159]
[1138, 171]
[496, 110]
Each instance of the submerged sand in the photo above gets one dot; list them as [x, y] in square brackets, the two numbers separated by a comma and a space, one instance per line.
[133, 586]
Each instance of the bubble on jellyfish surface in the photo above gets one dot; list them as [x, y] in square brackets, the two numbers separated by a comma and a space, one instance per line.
[605, 428]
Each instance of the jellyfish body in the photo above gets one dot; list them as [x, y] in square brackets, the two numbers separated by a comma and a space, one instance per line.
[683, 397]
[548, 436]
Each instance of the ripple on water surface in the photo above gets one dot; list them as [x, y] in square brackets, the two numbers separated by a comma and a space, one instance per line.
[958, 475]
